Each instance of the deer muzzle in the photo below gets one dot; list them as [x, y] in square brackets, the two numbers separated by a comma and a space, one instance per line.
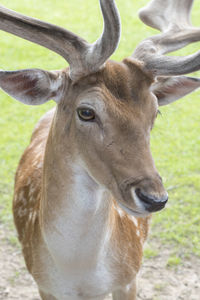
[144, 196]
[151, 202]
[149, 195]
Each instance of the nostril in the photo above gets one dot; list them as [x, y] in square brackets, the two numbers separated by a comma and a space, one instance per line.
[151, 202]
[143, 197]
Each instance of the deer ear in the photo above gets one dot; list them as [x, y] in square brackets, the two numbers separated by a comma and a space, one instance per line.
[170, 89]
[34, 86]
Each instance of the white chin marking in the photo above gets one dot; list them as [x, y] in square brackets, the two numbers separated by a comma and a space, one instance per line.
[137, 201]
[140, 209]
[133, 212]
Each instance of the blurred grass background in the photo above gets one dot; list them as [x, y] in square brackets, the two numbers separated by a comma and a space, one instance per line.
[175, 139]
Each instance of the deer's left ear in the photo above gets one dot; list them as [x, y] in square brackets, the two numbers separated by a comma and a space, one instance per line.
[33, 86]
[170, 89]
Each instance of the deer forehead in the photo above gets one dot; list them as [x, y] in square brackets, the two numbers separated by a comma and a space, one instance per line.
[121, 88]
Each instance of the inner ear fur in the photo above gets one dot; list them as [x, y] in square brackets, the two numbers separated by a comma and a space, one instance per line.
[33, 86]
[170, 89]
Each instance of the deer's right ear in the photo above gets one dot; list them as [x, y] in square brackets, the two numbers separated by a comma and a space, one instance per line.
[33, 86]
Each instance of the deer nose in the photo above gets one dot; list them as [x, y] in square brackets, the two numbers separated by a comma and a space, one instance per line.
[151, 202]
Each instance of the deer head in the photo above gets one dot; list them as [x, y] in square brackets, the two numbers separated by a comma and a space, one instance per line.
[106, 110]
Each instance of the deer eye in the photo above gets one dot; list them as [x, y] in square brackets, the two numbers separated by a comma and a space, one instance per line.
[86, 114]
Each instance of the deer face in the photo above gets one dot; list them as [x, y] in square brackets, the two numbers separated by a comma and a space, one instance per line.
[108, 118]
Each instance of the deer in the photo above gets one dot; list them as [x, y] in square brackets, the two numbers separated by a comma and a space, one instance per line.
[87, 185]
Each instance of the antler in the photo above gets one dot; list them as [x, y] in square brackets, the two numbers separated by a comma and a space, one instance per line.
[83, 58]
[172, 17]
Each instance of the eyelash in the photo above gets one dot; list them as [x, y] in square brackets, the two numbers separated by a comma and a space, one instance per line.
[159, 113]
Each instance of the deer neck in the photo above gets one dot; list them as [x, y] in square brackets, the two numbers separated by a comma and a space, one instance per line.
[75, 210]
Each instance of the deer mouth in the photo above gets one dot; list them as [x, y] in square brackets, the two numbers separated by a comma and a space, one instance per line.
[131, 204]
[132, 212]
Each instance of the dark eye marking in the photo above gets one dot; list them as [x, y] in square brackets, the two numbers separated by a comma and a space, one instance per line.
[86, 114]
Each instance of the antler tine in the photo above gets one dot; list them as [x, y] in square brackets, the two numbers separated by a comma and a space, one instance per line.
[172, 17]
[105, 46]
[170, 13]
[83, 58]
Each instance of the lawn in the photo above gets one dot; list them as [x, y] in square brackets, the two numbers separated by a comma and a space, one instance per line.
[175, 139]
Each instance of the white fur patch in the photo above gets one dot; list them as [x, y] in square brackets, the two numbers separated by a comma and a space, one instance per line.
[120, 211]
[134, 220]
[21, 212]
[137, 200]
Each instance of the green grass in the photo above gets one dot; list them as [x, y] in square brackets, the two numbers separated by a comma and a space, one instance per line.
[150, 252]
[175, 138]
[173, 261]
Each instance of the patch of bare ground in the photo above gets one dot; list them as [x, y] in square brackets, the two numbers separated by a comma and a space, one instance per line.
[156, 280]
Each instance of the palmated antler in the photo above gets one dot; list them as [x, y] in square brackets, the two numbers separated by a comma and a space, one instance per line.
[172, 18]
[83, 58]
